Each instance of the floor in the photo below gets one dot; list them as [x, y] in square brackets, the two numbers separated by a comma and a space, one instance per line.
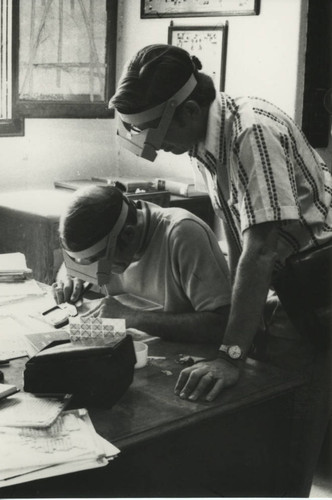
[322, 485]
[321, 488]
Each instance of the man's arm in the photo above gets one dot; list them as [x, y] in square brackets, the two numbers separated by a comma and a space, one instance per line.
[252, 281]
[205, 326]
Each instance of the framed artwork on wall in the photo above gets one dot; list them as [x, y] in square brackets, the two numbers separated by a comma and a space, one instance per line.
[199, 8]
[208, 43]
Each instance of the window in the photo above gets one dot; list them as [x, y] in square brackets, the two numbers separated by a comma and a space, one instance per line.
[57, 59]
[10, 124]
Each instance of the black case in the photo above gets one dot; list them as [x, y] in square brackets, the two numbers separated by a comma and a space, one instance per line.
[304, 288]
[95, 376]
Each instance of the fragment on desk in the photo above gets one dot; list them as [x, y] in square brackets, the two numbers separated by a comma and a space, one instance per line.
[185, 359]
[167, 372]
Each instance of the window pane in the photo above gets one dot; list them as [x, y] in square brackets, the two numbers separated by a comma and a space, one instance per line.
[5, 59]
[62, 50]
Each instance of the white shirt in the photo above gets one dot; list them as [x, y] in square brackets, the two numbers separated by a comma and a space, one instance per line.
[182, 267]
[266, 171]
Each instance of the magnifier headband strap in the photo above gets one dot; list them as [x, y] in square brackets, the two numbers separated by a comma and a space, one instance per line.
[156, 112]
[102, 244]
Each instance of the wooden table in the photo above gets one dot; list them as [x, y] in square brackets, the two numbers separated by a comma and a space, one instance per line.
[236, 446]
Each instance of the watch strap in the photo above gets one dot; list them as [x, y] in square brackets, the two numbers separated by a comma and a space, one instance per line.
[235, 362]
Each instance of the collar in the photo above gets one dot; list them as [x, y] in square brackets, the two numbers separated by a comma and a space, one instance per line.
[143, 212]
[211, 148]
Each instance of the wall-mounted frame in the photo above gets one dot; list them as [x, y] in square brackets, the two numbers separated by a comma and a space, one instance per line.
[199, 8]
[66, 58]
[208, 43]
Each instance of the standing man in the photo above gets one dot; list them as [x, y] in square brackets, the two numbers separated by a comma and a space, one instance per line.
[271, 189]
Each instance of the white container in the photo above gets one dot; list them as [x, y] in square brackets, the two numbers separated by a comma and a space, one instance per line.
[141, 351]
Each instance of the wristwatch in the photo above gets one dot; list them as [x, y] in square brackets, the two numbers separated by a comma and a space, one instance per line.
[233, 351]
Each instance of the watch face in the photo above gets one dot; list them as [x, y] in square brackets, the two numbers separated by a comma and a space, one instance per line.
[234, 352]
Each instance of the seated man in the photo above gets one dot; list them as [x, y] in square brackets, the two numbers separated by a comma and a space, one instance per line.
[165, 255]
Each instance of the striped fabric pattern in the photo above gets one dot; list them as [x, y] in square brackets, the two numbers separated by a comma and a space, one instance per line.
[259, 167]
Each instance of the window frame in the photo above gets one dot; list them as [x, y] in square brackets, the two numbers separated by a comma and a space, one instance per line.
[13, 126]
[73, 109]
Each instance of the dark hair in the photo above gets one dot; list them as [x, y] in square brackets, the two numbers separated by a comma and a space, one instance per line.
[155, 74]
[90, 215]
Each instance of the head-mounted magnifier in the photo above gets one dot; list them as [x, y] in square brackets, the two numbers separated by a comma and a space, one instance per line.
[146, 143]
[94, 264]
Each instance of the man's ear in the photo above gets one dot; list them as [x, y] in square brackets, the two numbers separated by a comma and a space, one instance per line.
[192, 109]
[128, 234]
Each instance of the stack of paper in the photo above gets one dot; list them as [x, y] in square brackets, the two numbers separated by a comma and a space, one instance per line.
[31, 410]
[71, 444]
[15, 278]
[13, 343]
[13, 267]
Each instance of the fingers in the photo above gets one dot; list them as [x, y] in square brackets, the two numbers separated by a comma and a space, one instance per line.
[204, 383]
[73, 289]
[218, 387]
[206, 379]
[58, 293]
[68, 290]
[194, 381]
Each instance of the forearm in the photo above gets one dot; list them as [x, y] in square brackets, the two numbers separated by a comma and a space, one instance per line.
[183, 327]
[252, 281]
[233, 252]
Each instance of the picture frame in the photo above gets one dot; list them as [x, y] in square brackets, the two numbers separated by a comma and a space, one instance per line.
[198, 8]
[208, 43]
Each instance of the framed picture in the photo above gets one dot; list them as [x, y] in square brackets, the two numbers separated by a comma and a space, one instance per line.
[208, 43]
[198, 8]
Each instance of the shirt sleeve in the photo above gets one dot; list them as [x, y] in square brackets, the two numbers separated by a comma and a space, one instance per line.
[199, 266]
[264, 177]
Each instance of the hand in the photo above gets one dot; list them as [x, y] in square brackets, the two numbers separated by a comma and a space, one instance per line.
[109, 307]
[211, 376]
[67, 290]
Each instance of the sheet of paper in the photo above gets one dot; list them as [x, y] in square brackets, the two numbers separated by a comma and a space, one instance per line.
[12, 341]
[12, 262]
[29, 410]
[33, 474]
[70, 439]
[21, 289]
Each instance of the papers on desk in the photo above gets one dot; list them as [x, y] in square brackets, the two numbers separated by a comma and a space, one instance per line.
[15, 278]
[7, 390]
[31, 410]
[13, 264]
[13, 343]
[71, 444]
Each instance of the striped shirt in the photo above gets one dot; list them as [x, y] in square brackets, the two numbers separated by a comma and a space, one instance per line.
[259, 167]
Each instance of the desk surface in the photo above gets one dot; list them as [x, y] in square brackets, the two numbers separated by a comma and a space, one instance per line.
[150, 406]
[198, 447]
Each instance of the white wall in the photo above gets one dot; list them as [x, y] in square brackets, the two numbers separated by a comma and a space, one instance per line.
[265, 58]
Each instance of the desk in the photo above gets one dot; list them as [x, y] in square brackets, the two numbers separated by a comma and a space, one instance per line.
[235, 446]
